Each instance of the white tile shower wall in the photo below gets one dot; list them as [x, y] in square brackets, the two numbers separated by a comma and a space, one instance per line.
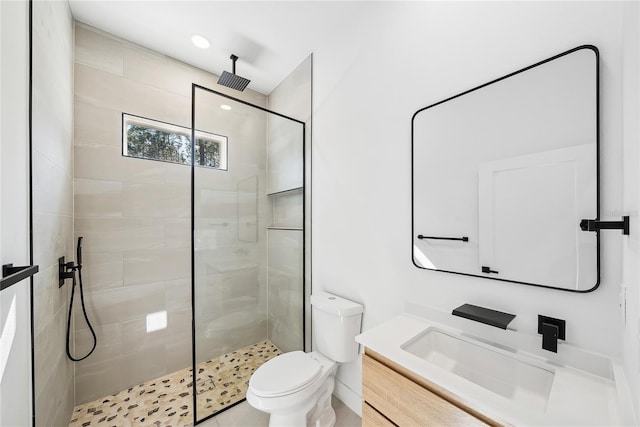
[287, 209]
[292, 97]
[285, 289]
[284, 154]
[363, 147]
[135, 217]
[231, 302]
[52, 206]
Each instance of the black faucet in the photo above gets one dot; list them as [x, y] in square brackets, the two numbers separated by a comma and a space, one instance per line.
[552, 330]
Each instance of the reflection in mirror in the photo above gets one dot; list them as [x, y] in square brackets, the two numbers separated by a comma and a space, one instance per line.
[248, 287]
[503, 174]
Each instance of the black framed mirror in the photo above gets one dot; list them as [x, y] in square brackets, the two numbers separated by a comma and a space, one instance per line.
[502, 175]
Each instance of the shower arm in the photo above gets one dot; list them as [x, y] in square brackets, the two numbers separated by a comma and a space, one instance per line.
[233, 63]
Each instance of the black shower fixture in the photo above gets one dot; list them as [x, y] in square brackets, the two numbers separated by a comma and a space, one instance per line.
[231, 79]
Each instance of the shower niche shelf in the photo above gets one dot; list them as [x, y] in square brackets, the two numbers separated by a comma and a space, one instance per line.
[285, 228]
[285, 192]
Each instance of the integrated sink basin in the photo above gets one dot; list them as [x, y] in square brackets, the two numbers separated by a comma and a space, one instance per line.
[492, 368]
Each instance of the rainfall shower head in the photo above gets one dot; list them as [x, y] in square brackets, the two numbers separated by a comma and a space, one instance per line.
[233, 80]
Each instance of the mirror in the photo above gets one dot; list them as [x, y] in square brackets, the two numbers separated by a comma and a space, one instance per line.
[502, 175]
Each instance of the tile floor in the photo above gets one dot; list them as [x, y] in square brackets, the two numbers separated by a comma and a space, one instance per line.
[166, 401]
[244, 415]
[223, 381]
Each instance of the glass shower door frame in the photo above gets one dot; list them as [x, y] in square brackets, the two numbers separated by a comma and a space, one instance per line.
[194, 88]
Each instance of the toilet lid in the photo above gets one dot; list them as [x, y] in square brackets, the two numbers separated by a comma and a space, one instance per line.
[284, 374]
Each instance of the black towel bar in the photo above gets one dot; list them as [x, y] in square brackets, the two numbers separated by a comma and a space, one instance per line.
[12, 275]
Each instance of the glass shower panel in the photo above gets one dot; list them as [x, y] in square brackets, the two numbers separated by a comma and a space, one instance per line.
[285, 291]
[231, 214]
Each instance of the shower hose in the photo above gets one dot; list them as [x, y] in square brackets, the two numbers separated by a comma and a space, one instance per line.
[78, 268]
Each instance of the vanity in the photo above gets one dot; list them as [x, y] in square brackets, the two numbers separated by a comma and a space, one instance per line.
[420, 372]
[393, 395]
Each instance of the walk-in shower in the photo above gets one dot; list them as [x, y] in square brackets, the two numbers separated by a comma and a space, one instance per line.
[244, 207]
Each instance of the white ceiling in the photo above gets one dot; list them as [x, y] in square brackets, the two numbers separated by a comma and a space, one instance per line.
[270, 38]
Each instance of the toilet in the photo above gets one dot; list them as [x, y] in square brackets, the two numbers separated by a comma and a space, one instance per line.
[295, 388]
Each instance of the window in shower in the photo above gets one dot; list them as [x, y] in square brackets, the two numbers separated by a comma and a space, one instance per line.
[149, 139]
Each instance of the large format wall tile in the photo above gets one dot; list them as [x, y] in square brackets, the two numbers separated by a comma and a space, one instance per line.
[102, 378]
[48, 298]
[157, 200]
[285, 161]
[108, 345]
[97, 87]
[292, 97]
[50, 138]
[51, 351]
[102, 270]
[53, 234]
[177, 233]
[178, 343]
[98, 51]
[285, 289]
[107, 163]
[156, 70]
[287, 209]
[178, 294]
[96, 198]
[98, 380]
[58, 197]
[119, 234]
[97, 125]
[52, 133]
[143, 266]
[54, 401]
[121, 304]
[135, 337]
[148, 101]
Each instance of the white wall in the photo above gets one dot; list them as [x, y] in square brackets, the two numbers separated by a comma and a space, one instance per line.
[631, 198]
[405, 56]
[15, 355]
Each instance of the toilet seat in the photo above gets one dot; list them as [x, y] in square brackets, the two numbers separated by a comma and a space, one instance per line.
[284, 374]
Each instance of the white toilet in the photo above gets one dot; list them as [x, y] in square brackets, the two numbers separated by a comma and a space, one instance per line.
[295, 388]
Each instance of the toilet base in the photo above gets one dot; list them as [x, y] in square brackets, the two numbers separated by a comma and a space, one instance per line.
[323, 415]
[316, 413]
[313, 411]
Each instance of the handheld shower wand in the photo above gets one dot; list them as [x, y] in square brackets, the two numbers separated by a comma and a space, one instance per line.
[69, 273]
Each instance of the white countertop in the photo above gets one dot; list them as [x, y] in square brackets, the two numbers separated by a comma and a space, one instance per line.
[577, 397]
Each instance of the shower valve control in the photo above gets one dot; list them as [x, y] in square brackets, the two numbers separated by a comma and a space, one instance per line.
[65, 271]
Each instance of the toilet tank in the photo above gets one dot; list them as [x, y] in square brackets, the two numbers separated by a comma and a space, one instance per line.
[335, 323]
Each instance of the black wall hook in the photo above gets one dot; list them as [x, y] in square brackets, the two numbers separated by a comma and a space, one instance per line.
[462, 239]
[488, 270]
[595, 225]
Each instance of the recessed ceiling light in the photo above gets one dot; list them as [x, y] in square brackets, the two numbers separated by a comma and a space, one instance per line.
[200, 41]
[225, 107]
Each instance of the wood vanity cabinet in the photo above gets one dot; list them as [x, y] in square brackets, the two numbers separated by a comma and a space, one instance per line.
[394, 396]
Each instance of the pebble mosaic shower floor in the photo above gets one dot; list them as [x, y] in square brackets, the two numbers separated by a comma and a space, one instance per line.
[167, 401]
